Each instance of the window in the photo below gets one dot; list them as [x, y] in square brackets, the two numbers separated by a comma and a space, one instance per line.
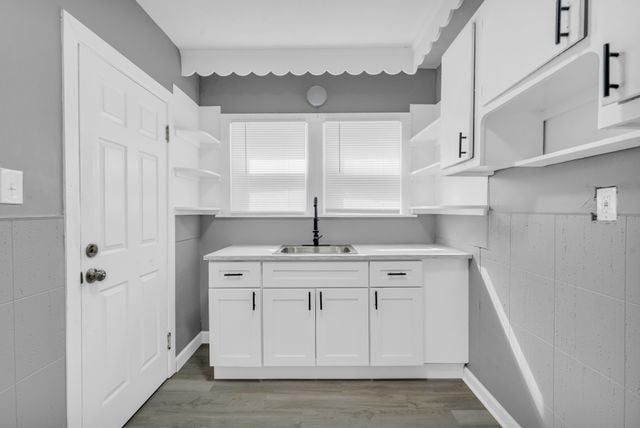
[362, 166]
[268, 167]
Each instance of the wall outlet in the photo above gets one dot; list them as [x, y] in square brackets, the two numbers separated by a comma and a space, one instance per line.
[10, 186]
[606, 203]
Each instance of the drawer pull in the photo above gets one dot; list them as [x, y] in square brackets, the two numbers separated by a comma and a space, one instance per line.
[309, 300]
[234, 274]
[254, 300]
[397, 273]
[375, 298]
[321, 300]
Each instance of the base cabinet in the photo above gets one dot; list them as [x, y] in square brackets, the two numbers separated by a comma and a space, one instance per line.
[396, 327]
[289, 327]
[342, 327]
[234, 322]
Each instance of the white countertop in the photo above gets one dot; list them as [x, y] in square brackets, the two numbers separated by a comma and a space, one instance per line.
[364, 252]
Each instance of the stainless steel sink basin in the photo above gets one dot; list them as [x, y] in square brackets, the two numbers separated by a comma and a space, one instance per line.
[320, 249]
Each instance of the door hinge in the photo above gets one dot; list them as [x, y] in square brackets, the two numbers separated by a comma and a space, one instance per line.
[166, 133]
[169, 340]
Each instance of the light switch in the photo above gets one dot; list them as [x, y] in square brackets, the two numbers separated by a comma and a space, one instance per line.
[10, 186]
[606, 203]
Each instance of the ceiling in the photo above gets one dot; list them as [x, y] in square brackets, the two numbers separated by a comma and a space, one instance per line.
[300, 36]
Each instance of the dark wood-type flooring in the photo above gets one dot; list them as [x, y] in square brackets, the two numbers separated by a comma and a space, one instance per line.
[192, 399]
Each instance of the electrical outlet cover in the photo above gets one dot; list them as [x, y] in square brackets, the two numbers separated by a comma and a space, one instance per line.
[607, 203]
[10, 186]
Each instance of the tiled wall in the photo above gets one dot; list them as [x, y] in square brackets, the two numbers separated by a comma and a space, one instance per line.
[555, 319]
[32, 340]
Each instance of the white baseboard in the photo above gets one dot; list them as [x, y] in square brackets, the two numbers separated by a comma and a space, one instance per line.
[191, 348]
[494, 407]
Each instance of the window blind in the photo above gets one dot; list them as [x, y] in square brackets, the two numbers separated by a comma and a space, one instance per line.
[362, 166]
[268, 167]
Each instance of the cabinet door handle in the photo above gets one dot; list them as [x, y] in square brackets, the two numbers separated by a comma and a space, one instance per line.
[606, 72]
[460, 138]
[559, 9]
[309, 300]
[254, 300]
[397, 273]
[234, 274]
[375, 299]
[321, 300]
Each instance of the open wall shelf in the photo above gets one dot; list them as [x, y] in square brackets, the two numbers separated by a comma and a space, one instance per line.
[199, 138]
[196, 173]
[196, 210]
[475, 210]
[619, 142]
[429, 133]
[432, 169]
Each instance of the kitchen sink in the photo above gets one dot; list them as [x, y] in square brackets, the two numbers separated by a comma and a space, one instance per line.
[320, 249]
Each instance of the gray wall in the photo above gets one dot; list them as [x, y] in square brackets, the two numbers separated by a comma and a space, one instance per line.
[188, 258]
[346, 93]
[566, 288]
[32, 365]
[219, 233]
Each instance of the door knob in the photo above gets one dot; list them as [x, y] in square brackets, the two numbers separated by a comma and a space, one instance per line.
[94, 275]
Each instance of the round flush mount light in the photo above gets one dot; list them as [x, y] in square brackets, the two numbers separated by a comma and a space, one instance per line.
[317, 96]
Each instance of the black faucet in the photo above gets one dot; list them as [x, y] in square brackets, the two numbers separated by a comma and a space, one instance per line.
[316, 232]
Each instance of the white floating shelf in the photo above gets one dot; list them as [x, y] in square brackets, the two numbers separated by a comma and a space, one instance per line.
[432, 169]
[606, 145]
[196, 173]
[430, 132]
[198, 138]
[451, 209]
[196, 211]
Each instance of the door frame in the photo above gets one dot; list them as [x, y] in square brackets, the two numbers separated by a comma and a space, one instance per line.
[74, 34]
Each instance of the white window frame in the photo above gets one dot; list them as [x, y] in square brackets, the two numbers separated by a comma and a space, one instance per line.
[269, 213]
[315, 160]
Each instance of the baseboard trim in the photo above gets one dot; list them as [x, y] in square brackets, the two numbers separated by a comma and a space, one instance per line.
[191, 349]
[494, 407]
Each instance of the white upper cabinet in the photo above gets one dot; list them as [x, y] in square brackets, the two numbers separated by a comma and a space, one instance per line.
[396, 327]
[342, 327]
[289, 327]
[457, 105]
[619, 33]
[234, 323]
[516, 37]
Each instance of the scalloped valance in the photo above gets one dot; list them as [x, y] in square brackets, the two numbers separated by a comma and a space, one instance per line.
[298, 61]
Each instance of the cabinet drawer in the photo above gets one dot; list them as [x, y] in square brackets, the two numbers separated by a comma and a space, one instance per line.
[234, 274]
[315, 274]
[396, 274]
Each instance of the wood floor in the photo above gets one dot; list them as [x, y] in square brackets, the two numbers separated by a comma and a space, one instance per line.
[192, 399]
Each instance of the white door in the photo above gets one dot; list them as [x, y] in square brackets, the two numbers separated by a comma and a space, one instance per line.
[124, 206]
[396, 327]
[618, 27]
[342, 327]
[289, 327]
[516, 37]
[457, 105]
[234, 325]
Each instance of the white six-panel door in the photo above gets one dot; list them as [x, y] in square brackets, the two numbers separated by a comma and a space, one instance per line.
[123, 211]
[396, 326]
[289, 327]
[234, 321]
[342, 327]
